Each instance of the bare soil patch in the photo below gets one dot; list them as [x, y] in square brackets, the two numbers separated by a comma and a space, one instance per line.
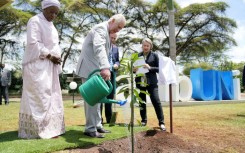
[151, 141]
[206, 129]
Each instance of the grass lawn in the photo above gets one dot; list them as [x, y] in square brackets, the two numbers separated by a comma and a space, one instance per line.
[73, 138]
[217, 126]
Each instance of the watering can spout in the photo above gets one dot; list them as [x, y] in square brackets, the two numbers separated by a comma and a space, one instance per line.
[120, 102]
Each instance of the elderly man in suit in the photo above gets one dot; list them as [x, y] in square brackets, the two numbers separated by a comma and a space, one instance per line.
[94, 55]
[114, 62]
[5, 83]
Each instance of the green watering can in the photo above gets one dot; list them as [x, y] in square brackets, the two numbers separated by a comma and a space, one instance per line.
[96, 89]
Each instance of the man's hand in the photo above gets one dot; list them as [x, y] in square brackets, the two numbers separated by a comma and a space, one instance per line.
[115, 66]
[106, 74]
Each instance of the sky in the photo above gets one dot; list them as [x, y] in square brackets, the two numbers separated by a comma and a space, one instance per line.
[236, 12]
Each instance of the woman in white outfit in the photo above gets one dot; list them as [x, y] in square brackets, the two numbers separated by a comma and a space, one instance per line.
[41, 111]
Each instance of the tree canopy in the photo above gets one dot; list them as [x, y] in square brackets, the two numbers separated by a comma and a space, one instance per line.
[203, 31]
[12, 24]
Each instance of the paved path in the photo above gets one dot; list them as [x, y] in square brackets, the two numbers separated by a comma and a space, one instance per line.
[78, 99]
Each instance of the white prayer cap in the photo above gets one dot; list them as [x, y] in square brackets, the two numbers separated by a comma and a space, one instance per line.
[48, 3]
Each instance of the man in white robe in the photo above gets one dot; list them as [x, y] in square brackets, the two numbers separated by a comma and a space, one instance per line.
[41, 110]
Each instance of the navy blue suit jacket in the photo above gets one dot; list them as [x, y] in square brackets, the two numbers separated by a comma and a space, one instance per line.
[115, 55]
[152, 60]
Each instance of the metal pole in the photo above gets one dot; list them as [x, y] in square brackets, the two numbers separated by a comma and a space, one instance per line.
[171, 108]
[73, 95]
[172, 41]
[172, 49]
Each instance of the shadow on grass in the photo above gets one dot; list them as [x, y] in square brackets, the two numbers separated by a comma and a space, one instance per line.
[124, 125]
[71, 136]
[77, 137]
[9, 136]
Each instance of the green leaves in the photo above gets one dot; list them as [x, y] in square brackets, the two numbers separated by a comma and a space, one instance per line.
[134, 57]
[125, 79]
[127, 87]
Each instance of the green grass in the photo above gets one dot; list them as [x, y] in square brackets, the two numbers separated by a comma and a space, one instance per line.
[219, 126]
[198, 123]
[73, 138]
[214, 115]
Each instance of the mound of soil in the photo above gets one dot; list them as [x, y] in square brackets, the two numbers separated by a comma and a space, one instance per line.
[151, 141]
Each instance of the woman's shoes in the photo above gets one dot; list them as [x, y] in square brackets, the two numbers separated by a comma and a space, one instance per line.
[143, 123]
[162, 127]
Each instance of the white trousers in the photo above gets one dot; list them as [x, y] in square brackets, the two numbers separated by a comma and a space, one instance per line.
[93, 116]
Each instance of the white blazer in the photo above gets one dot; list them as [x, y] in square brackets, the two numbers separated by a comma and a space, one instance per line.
[95, 50]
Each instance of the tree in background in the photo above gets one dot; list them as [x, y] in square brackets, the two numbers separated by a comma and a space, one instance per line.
[74, 21]
[16, 81]
[12, 24]
[203, 33]
[229, 66]
[189, 66]
[202, 30]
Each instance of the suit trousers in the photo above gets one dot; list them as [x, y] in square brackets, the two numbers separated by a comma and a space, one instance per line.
[108, 106]
[93, 117]
[5, 94]
[154, 96]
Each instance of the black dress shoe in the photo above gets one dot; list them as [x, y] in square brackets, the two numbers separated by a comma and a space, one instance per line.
[94, 134]
[103, 131]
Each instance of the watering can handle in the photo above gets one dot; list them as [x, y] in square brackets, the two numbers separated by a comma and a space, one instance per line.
[97, 70]
[109, 82]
